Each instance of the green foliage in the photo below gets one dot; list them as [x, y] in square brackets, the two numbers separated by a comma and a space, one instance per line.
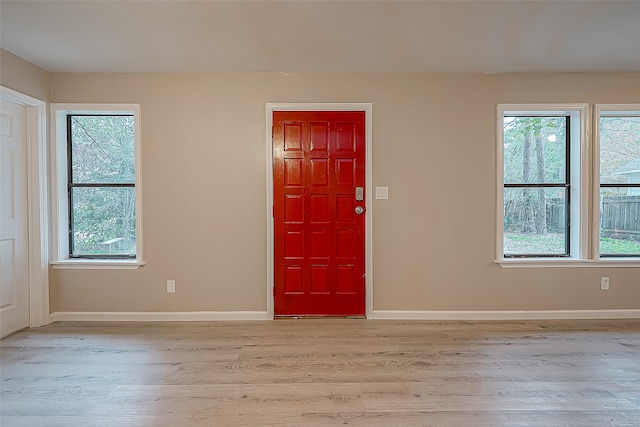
[553, 243]
[103, 149]
[610, 245]
[518, 243]
[535, 152]
[103, 154]
[619, 145]
[551, 132]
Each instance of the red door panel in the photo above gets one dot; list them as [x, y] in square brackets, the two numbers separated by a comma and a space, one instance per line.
[318, 161]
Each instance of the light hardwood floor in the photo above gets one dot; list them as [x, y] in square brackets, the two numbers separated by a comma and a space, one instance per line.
[323, 372]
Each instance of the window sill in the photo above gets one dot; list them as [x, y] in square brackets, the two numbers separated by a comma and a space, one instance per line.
[569, 263]
[97, 264]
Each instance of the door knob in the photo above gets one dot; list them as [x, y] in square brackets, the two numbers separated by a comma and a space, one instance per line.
[359, 210]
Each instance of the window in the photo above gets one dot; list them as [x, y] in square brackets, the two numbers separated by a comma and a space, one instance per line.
[537, 185]
[618, 135]
[566, 197]
[542, 174]
[97, 196]
[101, 190]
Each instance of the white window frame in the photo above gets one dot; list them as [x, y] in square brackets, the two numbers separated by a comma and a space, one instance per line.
[598, 110]
[60, 207]
[585, 187]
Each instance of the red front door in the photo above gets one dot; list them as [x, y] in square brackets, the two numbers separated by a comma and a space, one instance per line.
[319, 220]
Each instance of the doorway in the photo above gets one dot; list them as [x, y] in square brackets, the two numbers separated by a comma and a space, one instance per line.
[14, 231]
[24, 260]
[319, 244]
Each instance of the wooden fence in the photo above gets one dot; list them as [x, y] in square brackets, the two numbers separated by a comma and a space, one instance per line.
[620, 217]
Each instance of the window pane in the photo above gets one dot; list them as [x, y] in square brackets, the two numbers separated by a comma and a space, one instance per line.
[620, 221]
[535, 150]
[102, 149]
[620, 150]
[104, 221]
[535, 221]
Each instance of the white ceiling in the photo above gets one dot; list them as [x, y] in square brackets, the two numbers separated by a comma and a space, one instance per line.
[324, 36]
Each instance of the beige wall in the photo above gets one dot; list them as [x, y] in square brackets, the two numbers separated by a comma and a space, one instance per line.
[433, 146]
[23, 76]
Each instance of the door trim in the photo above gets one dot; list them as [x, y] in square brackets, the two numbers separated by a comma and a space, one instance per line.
[37, 204]
[368, 256]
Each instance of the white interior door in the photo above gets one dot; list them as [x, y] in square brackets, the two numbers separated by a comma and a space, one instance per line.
[14, 237]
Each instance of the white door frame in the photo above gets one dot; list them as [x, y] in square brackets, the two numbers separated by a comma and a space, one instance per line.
[37, 204]
[368, 257]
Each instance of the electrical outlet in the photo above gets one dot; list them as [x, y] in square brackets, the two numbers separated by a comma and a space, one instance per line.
[171, 286]
[604, 283]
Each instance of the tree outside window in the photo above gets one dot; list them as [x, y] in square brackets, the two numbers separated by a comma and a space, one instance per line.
[536, 185]
[619, 184]
[101, 176]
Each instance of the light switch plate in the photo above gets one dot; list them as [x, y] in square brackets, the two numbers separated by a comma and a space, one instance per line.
[171, 286]
[382, 193]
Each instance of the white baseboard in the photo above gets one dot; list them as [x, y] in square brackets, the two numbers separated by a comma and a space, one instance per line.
[505, 315]
[169, 316]
[205, 316]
